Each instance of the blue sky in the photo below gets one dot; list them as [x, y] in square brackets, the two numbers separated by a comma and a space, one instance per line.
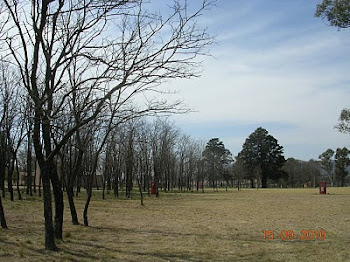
[276, 66]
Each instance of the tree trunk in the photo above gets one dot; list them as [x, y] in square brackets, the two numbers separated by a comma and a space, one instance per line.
[49, 229]
[97, 186]
[103, 188]
[157, 188]
[70, 186]
[2, 215]
[18, 190]
[140, 189]
[89, 196]
[34, 178]
[116, 185]
[10, 188]
[9, 179]
[40, 182]
[58, 196]
[263, 181]
[109, 186]
[29, 167]
[203, 184]
[78, 185]
[2, 177]
[2, 162]
[73, 211]
[86, 222]
[252, 183]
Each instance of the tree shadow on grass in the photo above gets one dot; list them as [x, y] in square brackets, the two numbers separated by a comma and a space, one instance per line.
[163, 233]
[137, 255]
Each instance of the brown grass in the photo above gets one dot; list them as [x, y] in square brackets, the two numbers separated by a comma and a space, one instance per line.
[220, 226]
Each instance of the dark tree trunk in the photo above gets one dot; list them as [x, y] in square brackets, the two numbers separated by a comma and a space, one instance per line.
[97, 186]
[2, 162]
[49, 229]
[129, 168]
[9, 185]
[9, 179]
[157, 188]
[73, 211]
[78, 185]
[203, 184]
[264, 181]
[2, 215]
[128, 182]
[18, 190]
[86, 221]
[58, 196]
[40, 182]
[116, 185]
[89, 196]
[70, 187]
[140, 189]
[34, 178]
[109, 186]
[156, 180]
[103, 188]
[29, 167]
[252, 183]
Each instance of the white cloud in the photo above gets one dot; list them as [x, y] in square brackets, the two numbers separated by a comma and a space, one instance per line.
[296, 78]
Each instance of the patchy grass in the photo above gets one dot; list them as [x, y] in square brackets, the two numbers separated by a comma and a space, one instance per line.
[215, 226]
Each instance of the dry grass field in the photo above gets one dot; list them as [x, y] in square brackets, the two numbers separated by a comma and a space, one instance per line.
[215, 226]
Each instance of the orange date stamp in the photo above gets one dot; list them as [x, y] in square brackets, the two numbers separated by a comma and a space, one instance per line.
[291, 235]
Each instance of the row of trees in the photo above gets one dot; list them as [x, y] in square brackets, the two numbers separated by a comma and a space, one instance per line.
[336, 165]
[80, 66]
[136, 151]
[261, 162]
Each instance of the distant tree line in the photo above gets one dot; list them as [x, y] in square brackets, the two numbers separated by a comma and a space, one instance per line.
[335, 165]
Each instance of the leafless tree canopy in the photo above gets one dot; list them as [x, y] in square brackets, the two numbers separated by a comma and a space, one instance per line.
[99, 50]
[77, 58]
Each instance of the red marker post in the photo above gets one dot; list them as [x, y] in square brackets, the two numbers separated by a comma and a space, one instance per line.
[323, 187]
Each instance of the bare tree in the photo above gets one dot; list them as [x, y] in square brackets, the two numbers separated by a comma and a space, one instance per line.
[99, 133]
[2, 170]
[189, 153]
[12, 122]
[238, 172]
[163, 141]
[11, 131]
[28, 114]
[144, 50]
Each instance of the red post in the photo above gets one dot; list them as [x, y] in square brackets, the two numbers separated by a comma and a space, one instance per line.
[153, 188]
[323, 187]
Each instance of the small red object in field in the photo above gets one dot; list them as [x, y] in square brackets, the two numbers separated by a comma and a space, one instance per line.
[323, 187]
[153, 188]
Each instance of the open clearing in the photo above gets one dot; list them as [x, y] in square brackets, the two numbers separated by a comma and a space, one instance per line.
[215, 226]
